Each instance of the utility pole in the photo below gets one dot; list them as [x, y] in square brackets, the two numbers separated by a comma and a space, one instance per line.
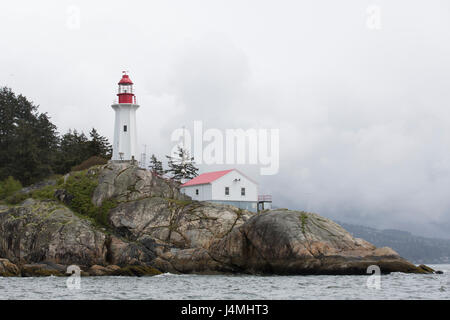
[144, 158]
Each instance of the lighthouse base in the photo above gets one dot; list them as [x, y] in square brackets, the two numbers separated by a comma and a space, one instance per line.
[132, 161]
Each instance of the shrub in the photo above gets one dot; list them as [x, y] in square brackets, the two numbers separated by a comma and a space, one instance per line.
[60, 181]
[47, 192]
[81, 187]
[8, 187]
[92, 161]
[16, 198]
[104, 209]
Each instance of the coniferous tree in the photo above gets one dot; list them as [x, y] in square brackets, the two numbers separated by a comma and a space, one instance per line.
[99, 145]
[28, 140]
[73, 148]
[30, 147]
[182, 166]
[156, 166]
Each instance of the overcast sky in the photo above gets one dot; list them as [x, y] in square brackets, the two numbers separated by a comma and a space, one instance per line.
[363, 113]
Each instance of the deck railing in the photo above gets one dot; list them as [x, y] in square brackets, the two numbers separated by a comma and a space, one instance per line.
[265, 198]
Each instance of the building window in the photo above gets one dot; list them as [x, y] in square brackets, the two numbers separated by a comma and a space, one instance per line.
[196, 192]
[242, 191]
[227, 191]
[124, 128]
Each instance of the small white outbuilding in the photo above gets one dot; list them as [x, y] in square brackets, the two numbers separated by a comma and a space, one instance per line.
[228, 187]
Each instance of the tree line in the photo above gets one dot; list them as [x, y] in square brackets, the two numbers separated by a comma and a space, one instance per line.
[31, 149]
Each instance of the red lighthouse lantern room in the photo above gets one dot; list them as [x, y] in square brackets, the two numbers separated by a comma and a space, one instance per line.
[126, 94]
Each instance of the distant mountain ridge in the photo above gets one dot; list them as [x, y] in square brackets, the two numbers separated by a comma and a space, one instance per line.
[413, 248]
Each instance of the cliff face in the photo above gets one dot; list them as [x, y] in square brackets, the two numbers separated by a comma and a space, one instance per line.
[152, 226]
[36, 231]
[293, 242]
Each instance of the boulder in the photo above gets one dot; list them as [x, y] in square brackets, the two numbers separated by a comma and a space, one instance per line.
[127, 182]
[8, 269]
[97, 270]
[39, 231]
[122, 252]
[137, 271]
[426, 269]
[42, 270]
[128, 270]
[63, 196]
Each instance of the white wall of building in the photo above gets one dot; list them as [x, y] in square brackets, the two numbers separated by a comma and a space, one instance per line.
[125, 141]
[215, 191]
[204, 192]
[229, 180]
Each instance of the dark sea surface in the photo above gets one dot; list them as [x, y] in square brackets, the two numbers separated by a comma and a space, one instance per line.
[169, 286]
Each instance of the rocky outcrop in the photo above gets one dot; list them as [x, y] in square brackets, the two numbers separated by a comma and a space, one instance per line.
[48, 231]
[179, 224]
[97, 270]
[209, 238]
[125, 182]
[153, 228]
[293, 242]
[42, 238]
[178, 232]
[38, 186]
[8, 269]
[122, 252]
[42, 270]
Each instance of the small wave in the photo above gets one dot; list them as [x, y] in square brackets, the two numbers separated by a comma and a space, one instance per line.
[167, 274]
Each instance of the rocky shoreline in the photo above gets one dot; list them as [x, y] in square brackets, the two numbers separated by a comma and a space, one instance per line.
[148, 227]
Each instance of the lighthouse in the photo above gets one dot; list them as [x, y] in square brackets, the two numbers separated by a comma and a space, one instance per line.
[125, 133]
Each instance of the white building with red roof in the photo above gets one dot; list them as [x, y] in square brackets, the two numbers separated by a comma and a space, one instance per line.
[228, 187]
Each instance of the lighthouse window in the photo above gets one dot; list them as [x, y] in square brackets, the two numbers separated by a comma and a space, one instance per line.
[242, 191]
[227, 191]
[124, 128]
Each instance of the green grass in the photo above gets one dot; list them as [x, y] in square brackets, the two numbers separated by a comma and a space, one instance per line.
[303, 219]
[180, 203]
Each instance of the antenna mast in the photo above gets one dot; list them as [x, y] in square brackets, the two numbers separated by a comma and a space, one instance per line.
[143, 161]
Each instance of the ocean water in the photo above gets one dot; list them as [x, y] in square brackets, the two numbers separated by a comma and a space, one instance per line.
[169, 286]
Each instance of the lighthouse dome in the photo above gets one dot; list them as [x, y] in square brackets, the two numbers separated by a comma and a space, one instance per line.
[125, 80]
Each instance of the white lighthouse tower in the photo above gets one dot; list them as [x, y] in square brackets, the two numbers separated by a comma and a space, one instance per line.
[125, 133]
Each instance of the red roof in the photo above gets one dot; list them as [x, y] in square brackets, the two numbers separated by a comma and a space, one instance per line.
[207, 177]
[125, 80]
